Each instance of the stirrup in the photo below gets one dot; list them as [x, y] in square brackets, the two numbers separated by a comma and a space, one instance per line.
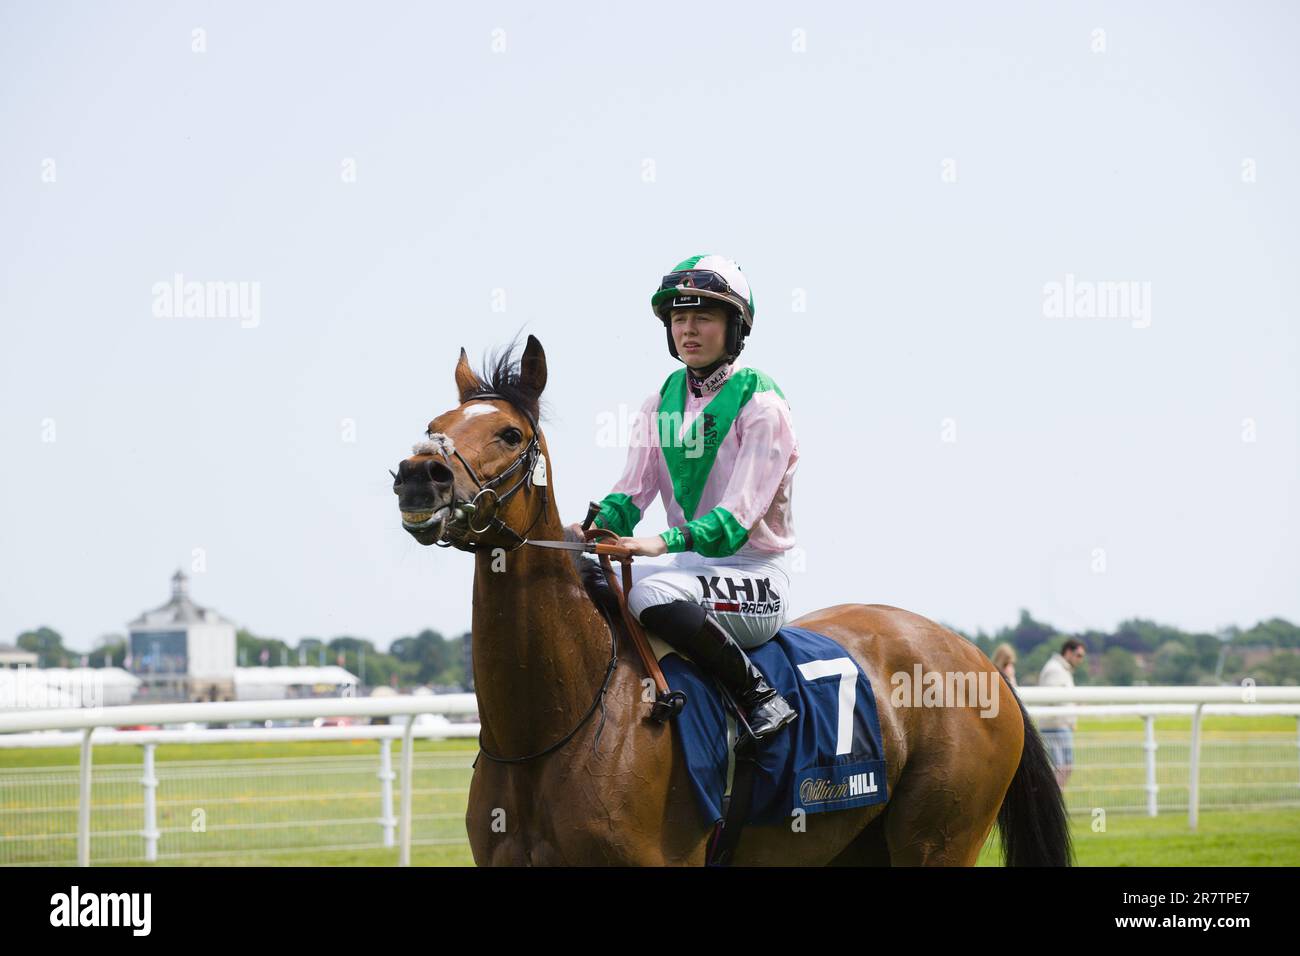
[770, 715]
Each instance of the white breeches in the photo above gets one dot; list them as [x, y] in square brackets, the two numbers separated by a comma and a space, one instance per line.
[748, 596]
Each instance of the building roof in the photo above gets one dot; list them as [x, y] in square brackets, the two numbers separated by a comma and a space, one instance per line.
[16, 655]
[180, 611]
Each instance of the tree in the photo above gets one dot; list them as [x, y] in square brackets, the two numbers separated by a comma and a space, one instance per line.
[434, 655]
[1139, 635]
[1275, 632]
[1027, 633]
[47, 644]
[1174, 664]
[110, 651]
[1119, 667]
[249, 648]
[1282, 668]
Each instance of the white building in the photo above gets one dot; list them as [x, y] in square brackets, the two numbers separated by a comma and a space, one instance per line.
[182, 651]
[11, 656]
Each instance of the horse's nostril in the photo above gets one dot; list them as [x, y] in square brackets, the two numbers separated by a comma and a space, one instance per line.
[430, 470]
[438, 472]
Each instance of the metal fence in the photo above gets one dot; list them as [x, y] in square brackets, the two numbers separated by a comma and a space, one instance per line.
[1149, 771]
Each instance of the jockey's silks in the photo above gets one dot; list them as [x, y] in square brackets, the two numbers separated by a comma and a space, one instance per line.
[722, 461]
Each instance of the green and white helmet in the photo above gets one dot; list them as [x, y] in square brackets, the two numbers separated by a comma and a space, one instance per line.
[698, 278]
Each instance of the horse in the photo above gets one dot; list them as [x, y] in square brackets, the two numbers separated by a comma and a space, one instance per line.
[576, 772]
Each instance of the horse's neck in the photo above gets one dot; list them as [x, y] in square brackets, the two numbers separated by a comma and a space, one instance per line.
[540, 646]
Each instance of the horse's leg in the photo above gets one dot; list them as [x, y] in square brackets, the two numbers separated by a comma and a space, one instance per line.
[925, 827]
[495, 819]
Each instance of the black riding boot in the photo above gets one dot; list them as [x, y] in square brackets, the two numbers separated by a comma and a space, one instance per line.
[688, 627]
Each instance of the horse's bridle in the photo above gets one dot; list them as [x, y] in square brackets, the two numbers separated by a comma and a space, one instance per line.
[527, 459]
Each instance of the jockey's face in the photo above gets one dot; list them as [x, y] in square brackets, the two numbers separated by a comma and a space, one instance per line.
[700, 334]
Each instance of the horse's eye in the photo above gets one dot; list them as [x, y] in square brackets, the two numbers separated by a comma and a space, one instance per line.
[513, 436]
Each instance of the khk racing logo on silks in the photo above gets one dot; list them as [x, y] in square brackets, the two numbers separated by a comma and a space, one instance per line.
[759, 595]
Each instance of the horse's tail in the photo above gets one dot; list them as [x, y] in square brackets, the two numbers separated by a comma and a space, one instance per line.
[1032, 820]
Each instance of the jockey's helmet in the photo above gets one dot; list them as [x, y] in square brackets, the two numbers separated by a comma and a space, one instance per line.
[694, 281]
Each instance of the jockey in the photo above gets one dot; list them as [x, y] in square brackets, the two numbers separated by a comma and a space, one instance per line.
[716, 443]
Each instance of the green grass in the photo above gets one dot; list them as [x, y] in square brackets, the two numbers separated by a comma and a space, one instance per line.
[420, 856]
[1246, 838]
[1223, 838]
[1211, 724]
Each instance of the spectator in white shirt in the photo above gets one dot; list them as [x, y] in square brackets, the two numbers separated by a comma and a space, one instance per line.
[1058, 732]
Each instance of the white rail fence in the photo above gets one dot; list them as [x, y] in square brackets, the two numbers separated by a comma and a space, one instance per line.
[263, 796]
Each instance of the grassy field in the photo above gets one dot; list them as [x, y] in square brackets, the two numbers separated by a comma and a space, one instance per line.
[1223, 838]
[1248, 838]
[315, 804]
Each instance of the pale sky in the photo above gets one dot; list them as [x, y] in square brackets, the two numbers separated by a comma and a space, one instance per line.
[901, 184]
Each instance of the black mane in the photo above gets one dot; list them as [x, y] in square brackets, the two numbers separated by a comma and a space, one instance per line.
[500, 375]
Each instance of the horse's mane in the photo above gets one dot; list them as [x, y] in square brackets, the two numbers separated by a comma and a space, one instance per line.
[500, 374]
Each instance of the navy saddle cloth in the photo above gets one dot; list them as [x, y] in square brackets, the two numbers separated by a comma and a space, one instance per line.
[830, 758]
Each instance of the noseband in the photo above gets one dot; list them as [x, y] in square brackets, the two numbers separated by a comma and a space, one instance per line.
[528, 460]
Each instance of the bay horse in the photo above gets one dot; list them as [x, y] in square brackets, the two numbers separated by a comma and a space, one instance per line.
[572, 770]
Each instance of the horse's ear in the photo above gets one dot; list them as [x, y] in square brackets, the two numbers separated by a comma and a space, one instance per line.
[466, 381]
[532, 367]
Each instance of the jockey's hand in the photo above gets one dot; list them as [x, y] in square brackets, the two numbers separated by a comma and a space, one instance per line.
[646, 547]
